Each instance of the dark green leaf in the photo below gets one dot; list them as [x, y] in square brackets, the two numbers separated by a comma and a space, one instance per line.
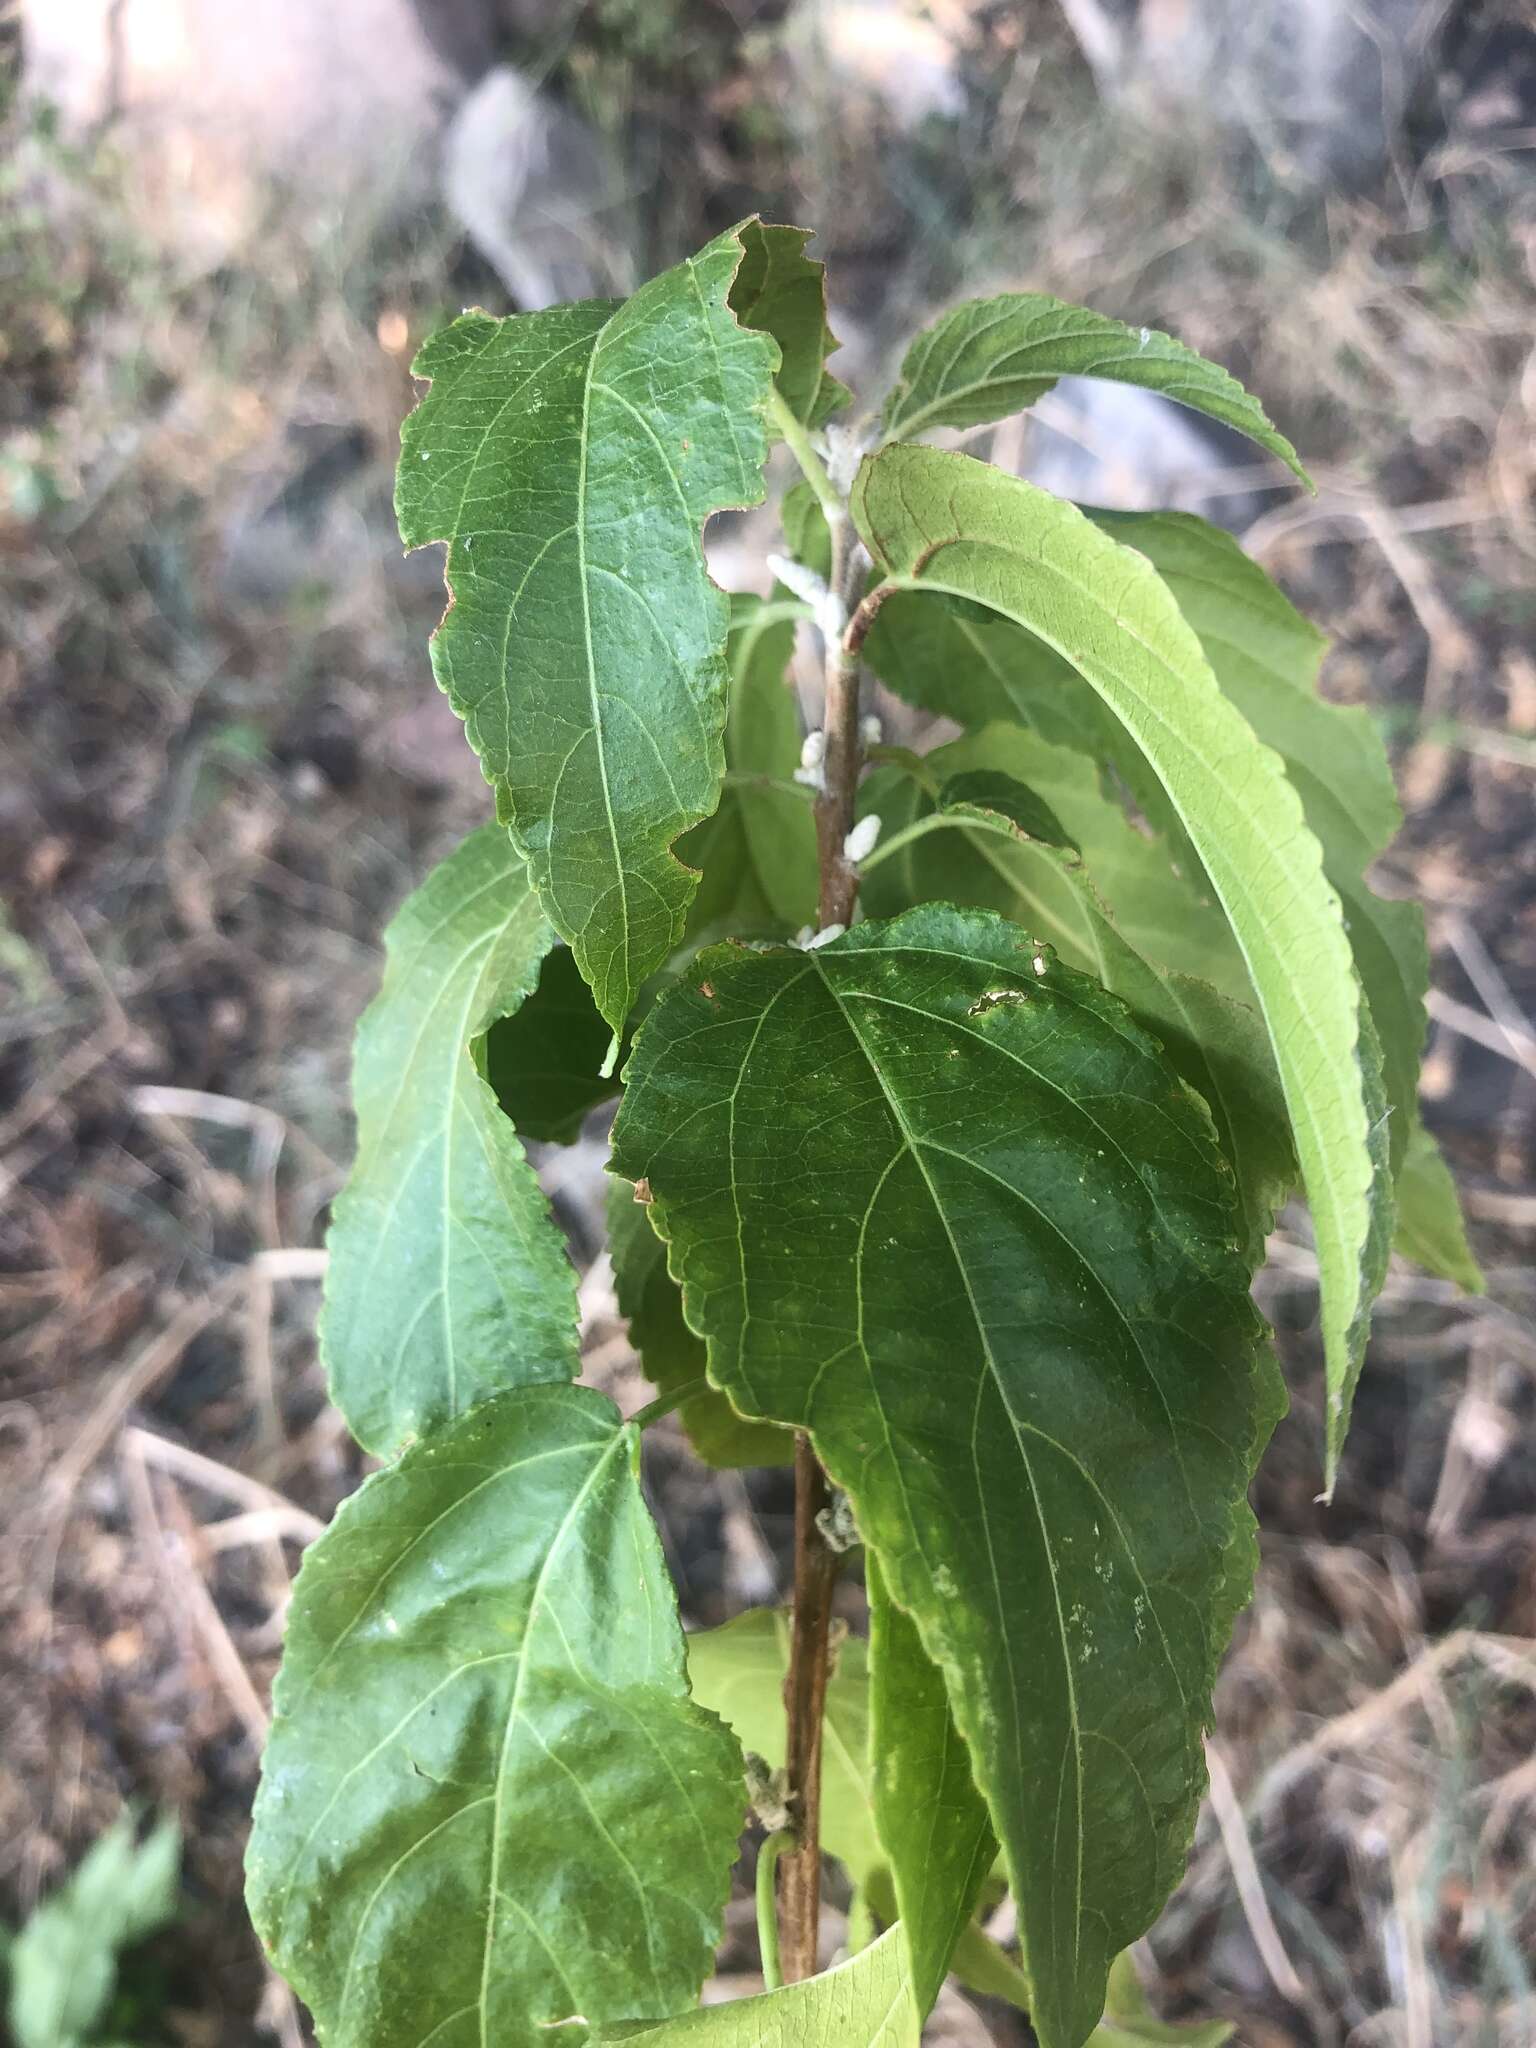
[758, 851]
[487, 1802]
[932, 1821]
[447, 1276]
[1217, 1043]
[991, 357]
[545, 1061]
[671, 1355]
[936, 1199]
[865, 2003]
[570, 458]
[781, 292]
[941, 522]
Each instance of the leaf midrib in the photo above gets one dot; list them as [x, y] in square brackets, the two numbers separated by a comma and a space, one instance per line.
[983, 1334]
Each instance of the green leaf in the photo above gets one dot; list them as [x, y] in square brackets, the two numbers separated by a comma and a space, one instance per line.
[895, 1778]
[1129, 2019]
[447, 1278]
[1430, 1228]
[1266, 657]
[780, 291]
[63, 1962]
[957, 1218]
[758, 851]
[942, 522]
[991, 357]
[487, 1802]
[865, 2003]
[738, 1670]
[1216, 1043]
[570, 458]
[932, 1821]
[671, 1355]
[544, 1061]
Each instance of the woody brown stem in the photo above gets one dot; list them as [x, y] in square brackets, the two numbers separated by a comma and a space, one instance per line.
[816, 1563]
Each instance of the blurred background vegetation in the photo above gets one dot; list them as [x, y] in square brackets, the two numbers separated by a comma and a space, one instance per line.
[224, 229]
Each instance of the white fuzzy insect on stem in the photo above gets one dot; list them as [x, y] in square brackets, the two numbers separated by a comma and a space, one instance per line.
[797, 578]
[861, 841]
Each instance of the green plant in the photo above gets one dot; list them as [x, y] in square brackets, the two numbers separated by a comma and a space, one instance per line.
[62, 1965]
[956, 1207]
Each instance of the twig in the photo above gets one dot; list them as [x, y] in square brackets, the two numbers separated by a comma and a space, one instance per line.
[816, 1564]
[193, 1597]
[159, 1357]
[221, 1479]
[1484, 974]
[1250, 1885]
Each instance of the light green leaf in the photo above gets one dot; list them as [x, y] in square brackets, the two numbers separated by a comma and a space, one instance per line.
[931, 1819]
[1266, 658]
[63, 1962]
[737, 1671]
[570, 458]
[1216, 1043]
[1018, 1330]
[447, 1278]
[671, 1355]
[781, 292]
[1129, 2020]
[758, 851]
[545, 1060]
[866, 2003]
[887, 1722]
[1430, 1229]
[991, 357]
[942, 522]
[487, 1801]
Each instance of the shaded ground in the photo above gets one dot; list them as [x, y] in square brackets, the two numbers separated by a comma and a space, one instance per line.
[224, 766]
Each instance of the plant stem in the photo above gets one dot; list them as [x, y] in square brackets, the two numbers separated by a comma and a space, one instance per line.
[816, 1564]
[767, 1920]
[805, 1698]
[812, 468]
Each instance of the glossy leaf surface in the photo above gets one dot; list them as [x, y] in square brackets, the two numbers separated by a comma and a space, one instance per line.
[1217, 1043]
[671, 1356]
[990, 357]
[944, 523]
[487, 1802]
[570, 458]
[865, 2003]
[448, 1278]
[951, 1212]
